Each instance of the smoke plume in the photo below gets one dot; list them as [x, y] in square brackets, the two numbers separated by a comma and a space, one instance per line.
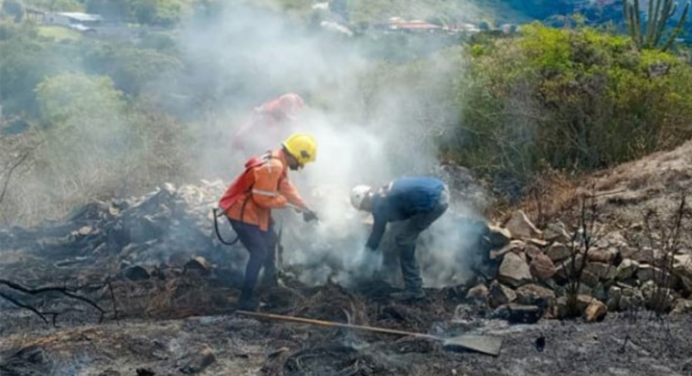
[374, 121]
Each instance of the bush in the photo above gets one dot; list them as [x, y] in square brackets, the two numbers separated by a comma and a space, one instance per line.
[25, 59]
[92, 145]
[132, 69]
[576, 99]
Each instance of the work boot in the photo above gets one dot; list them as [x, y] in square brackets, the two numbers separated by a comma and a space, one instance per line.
[268, 281]
[408, 295]
[248, 304]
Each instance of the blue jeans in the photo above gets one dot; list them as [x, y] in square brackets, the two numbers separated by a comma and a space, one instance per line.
[261, 245]
[407, 236]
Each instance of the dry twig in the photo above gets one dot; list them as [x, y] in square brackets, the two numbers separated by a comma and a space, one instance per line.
[61, 290]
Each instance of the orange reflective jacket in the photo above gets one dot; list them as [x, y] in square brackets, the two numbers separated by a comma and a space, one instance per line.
[269, 123]
[263, 186]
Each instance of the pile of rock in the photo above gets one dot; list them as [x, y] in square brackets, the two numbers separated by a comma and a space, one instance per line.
[529, 270]
[169, 225]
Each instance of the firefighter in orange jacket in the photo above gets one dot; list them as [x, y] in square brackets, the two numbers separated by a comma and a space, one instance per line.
[248, 202]
[269, 124]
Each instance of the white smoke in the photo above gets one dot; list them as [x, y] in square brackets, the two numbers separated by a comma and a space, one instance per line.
[374, 121]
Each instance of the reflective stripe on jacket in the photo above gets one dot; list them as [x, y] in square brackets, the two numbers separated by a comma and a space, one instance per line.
[266, 187]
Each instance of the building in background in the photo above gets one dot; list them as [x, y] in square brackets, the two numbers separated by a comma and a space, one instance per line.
[74, 20]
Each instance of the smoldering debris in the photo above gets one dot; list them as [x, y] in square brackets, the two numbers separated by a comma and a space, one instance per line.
[193, 281]
[153, 254]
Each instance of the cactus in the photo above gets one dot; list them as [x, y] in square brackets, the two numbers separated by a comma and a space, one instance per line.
[658, 15]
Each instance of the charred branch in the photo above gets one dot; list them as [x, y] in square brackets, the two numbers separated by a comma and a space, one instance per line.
[70, 293]
[582, 242]
[8, 176]
[663, 234]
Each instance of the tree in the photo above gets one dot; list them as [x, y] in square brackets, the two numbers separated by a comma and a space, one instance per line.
[649, 34]
[13, 8]
[117, 10]
[156, 12]
[566, 99]
[71, 98]
[56, 5]
[87, 138]
[24, 61]
[132, 69]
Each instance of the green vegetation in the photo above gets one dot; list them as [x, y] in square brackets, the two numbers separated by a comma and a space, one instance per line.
[441, 11]
[58, 33]
[75, 100]
[55, 5]
[506, 106]
[659, 14]
[132, 68]
[567, 99]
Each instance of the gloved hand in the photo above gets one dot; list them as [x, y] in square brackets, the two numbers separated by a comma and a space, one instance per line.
[369, 262]
[309, 216]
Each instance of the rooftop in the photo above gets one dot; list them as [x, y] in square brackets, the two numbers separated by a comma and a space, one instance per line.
[84, 17]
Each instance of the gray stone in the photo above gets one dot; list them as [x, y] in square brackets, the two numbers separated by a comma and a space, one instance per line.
[595, 311]
[686, 283]
[582, 301]
[198, 265]
[600, 292]
[478, 292]
[516, 246]
[613, 239]
[542, 267]
[519, 313]
[521, 227]
[532, 251]
[631, 298]
[558, 252]
[601, 270]
[565, 268]
[589, 279]
[682, 306]
[614, 295]
[557, 232]
[533, 294]
[538, 242]
[657, 298]
[648, 273]
[627, 269]
[514, 270]
[605, 255]
[500, 294]
[682, 265]
[646, 255]
[498, 237]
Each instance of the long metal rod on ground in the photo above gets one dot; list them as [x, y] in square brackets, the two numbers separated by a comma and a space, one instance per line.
[331, 324]
[479, 343]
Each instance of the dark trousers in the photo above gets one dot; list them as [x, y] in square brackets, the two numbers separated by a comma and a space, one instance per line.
[407, 236]
[262, 246]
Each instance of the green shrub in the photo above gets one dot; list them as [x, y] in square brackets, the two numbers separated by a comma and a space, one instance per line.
[576, 99]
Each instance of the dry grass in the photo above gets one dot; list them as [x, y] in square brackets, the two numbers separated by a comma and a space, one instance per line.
[549, 195]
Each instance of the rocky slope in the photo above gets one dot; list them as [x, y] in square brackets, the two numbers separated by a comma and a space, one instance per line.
[149, 264]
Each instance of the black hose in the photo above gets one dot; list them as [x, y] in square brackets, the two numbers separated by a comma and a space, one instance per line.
[218, 234]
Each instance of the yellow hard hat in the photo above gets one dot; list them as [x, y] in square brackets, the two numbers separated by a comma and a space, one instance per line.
[302, 146]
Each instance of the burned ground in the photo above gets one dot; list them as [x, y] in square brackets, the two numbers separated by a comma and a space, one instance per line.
[623, 344]
[167, 291]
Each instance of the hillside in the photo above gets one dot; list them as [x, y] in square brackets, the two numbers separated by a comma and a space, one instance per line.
[529, 186]
[168, 298]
